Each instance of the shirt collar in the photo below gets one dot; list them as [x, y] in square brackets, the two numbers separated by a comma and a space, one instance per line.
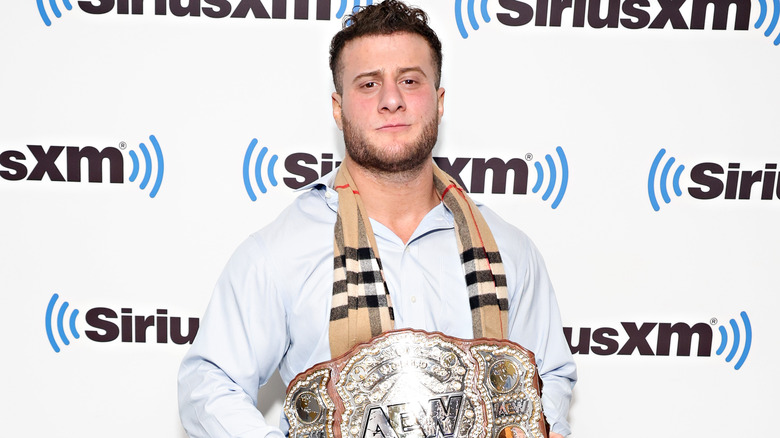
[324, 187]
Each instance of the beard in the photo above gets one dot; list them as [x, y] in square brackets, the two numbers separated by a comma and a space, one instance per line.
[401, 159]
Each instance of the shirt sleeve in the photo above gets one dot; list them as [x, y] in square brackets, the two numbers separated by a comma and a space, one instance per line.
[535, 323]
[240, 342]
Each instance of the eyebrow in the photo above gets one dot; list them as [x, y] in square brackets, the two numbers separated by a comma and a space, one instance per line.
[375, 73]
[368, 74]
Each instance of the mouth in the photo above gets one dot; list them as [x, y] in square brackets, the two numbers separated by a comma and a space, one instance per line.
[393, 127]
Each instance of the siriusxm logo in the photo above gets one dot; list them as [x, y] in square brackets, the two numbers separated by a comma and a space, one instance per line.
[556, 174]
[355, 5]
[772, 24]
[208, 8]
[129, 328]
[665, 173]
[629, 14]
[54, 10]
[50, 162]
[148, 164]
[60, 323]
[471, 12]
[260, 168]
[631, 337]
[736, 343]
[304, 169]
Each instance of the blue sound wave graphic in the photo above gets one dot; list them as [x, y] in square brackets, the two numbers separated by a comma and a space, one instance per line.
[148, 166]
[355, 7]
[258, 168]
[553, 172]
[737, 341]
[471, 11]
[54, 9]
[60, 322]
[775, 17]
[663, 179]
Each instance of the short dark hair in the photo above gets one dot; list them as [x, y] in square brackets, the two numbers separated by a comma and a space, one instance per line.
[388, 17]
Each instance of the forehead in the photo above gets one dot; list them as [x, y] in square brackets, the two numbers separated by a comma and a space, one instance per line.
[386, 52]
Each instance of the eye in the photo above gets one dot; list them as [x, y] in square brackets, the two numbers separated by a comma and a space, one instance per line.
[370, 85]
[408, 82]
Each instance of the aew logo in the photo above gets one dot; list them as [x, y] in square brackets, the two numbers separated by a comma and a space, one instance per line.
[440, 419]
[606, 341]
[712, 180]
[14, 167]
[629, 14]
[259, 172]
[208, 8]
[130, 328]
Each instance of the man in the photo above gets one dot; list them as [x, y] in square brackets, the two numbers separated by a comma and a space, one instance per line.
[388, 240]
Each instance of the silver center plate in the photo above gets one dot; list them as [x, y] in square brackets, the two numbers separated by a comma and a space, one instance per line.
[414, 384]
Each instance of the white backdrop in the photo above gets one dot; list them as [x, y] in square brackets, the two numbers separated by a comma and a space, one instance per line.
[609, 98]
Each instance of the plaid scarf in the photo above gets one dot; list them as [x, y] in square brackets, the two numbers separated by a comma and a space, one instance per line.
[361, 307]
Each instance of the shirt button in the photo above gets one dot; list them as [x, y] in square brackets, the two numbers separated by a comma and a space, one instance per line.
[328, 195]
[414, 299]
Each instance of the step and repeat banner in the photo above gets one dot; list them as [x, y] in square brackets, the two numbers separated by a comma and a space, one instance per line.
[635, 141]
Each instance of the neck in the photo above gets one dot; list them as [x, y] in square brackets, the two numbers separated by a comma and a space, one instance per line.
[397, 200]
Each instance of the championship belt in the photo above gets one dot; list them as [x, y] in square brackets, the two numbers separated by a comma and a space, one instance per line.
[415, 384]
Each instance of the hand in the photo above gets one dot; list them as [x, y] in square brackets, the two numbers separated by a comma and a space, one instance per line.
[555, 435]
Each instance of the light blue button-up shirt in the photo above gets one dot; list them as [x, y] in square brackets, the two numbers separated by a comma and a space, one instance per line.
[271, 308]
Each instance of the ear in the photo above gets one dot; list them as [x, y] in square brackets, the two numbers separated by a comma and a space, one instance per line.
[440, 95]
[335, 100]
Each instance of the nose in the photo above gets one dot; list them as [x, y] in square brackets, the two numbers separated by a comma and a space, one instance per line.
[391, 99]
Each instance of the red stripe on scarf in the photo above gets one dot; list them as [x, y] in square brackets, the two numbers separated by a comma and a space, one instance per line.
[346, 186]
